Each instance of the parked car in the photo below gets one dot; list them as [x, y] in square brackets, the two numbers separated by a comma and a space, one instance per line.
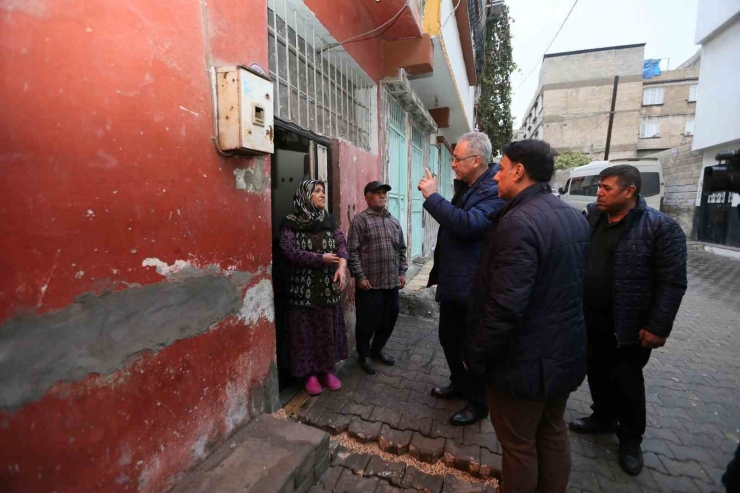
[580, 189]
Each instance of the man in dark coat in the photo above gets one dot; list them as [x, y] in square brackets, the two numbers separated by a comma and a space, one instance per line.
[635, 280]
[462, 226]
[527, 334]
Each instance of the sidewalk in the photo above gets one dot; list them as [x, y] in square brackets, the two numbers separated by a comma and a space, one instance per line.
[394, 409]
[693, 395]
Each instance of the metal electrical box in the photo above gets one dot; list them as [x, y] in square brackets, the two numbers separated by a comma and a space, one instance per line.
[245, 111]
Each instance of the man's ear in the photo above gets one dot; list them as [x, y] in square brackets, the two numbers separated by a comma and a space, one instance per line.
[519, 171]
[631, 190]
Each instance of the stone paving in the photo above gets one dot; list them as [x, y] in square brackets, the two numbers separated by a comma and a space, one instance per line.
[693, 395]
[351, 472]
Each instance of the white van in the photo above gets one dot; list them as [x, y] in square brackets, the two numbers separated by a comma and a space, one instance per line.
[580, 189]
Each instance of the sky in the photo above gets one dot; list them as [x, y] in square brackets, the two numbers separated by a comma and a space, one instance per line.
[667, 26]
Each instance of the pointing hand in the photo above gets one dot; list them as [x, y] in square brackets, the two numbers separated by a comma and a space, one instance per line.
[428, 184]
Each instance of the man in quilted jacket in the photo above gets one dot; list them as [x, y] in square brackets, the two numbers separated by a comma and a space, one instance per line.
[526, 336]
[635, 280]
[463, 222]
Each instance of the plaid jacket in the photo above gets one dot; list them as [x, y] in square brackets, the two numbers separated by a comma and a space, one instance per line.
[377, 250]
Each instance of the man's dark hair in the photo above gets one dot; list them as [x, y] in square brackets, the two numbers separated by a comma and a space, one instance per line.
[536, 156]
[626, 174]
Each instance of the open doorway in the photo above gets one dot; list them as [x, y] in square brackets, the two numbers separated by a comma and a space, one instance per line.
[298, 156]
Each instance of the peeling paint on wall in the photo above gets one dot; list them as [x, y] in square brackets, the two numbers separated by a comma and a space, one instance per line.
[258, 302]
[252, 179]
[100, 334]
[237, 406]
[125, 174]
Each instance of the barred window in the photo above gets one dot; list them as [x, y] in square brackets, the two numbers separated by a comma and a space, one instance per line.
[318, 86]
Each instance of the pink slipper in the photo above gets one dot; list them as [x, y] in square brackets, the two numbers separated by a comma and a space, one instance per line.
[313, 386]
[331, 381]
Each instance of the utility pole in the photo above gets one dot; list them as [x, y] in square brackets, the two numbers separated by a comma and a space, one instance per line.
[611, 119]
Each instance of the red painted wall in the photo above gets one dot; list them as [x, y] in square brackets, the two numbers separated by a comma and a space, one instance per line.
[355, 169]
[138, 429]
[107, 160]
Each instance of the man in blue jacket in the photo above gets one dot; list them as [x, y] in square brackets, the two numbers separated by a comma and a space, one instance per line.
[527, 334]
[635, 281]
[462, 225]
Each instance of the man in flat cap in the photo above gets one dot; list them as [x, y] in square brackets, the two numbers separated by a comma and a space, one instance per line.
[377, 261]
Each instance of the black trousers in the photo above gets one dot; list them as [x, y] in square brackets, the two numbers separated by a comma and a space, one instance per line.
[616, 381]
[453, 319]
[377, 312]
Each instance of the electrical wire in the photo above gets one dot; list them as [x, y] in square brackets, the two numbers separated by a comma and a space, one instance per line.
[211, 70]
[548, 46]
[390, 21]
[451, 14]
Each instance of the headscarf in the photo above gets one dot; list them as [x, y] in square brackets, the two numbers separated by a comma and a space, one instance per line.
[308, 217]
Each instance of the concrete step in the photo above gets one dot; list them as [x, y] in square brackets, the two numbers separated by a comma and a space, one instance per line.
[721, 250]
[268, 455]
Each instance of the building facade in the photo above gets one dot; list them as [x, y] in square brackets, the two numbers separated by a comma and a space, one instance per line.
[571, 107]
[668, 108]
[143, 295]
[717, 124]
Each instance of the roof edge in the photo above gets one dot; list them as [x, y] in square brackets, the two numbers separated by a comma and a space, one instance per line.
[591, 50]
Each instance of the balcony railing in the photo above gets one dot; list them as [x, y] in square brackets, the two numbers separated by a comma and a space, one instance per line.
[478, 13]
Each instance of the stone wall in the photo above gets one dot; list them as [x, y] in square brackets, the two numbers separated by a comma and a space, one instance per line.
[681, 171]
[577, 118]
[592, 65]
[577, 92]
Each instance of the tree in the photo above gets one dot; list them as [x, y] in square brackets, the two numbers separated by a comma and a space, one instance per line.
[571, 159]
[494, 106]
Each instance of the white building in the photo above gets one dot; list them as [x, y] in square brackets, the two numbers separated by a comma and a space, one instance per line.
[717, 124]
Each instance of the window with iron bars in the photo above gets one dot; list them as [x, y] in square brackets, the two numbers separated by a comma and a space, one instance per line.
[317, 84]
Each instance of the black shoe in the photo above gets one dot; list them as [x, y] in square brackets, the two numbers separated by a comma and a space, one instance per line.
[591, 425]
[449, 392]
[630, 459]
[469, 415]
[383, 358]
[367, 366]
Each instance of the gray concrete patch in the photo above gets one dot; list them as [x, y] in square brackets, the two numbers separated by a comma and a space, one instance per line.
[420, 303]
[99, 334]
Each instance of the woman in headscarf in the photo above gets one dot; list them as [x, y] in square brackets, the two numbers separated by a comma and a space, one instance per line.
[316, 248]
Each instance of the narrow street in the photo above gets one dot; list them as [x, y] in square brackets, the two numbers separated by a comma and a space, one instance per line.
[693, 394]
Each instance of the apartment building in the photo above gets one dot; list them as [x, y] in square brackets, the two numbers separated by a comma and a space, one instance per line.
[668, 107]
[571, 107]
